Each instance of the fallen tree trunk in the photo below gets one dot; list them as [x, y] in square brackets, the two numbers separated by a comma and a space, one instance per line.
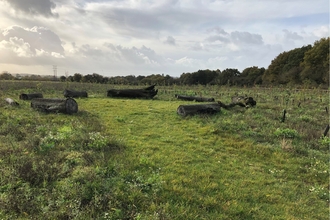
[148, 93]
[194, 98]
[185, 110]
[243, 101]
[67, 106]
[25, 96]
[11, 102]
[240, 101]
[75, 94]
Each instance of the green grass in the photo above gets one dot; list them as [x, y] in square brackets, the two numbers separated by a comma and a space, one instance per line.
[138, 159]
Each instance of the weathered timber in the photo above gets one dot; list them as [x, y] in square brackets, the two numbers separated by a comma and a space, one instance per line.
[30, 96]
[325, 133]
[240, 101]
[11, 102]
[147, 93]
[67, 106]
[243, 101]
[211, 108]
[75, 94]
[194, 98]
[283, 116]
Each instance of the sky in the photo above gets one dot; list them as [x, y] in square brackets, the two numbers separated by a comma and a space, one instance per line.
[144, 37]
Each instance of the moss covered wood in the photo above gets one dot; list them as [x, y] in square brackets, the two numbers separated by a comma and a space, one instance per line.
[25, 96]
[75, 94]
[67, 106]
[211, 108]
[147, 93]
[194, 98]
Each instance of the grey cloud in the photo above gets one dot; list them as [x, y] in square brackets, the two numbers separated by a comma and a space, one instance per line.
[234, 41]
[130, 21]
[143, 55]
[88, 51]
[35, 7]
[148, 21]
[197, 46]
[246, 37]
[292, 35]
[217, 30]
[170, 40]
[220, 38]
[39, 38]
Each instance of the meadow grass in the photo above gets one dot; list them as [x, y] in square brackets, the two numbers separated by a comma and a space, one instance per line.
[138, 159]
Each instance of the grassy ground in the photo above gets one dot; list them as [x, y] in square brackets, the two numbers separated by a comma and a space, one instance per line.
[138, 159]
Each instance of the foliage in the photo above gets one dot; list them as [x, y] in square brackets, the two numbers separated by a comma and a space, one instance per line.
[316, 62]
[250, 76]
[286, 133]
[285, 67]
[202, 77]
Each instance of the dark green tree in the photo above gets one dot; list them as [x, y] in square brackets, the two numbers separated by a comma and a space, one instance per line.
[250, 76]
[228, 76]
[77, 77]
[316, 63]
[284, 68]
[62, 78]
[6, 76]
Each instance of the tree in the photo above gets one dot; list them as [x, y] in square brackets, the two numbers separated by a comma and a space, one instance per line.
[186, 79]
[62, 78]
[6, 76]
[77, 77]
[316, 62]
[250, 76]
[228, 76]
[285, 64]
[94, 78]
[202, 77]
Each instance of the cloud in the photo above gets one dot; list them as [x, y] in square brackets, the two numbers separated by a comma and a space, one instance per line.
[291, 35]
[321, 31]
[246, 38]
[18, 46]
[134, 55]
[34, 7]
[198, 46]
[170, 40]
[217, 30]
[215, 38]
[30, 46]
[37, 37]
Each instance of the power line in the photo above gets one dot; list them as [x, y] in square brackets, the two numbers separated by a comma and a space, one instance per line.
[55, 71]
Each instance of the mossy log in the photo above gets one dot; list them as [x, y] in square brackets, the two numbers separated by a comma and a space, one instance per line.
[75, 94]
[194, 98]
[67, 106]
[11, 102]
[211, 108]
[147, 93]
[240, 101]
[30, 96]
[243, 101]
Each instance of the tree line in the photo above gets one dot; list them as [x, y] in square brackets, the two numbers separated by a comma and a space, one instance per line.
[308, 65]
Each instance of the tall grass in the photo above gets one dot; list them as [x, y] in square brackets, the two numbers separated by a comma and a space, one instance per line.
[138, 159]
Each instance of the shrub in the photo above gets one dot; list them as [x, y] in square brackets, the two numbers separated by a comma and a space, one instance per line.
[286, 133]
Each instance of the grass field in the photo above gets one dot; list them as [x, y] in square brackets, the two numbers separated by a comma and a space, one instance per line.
[138, 159]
